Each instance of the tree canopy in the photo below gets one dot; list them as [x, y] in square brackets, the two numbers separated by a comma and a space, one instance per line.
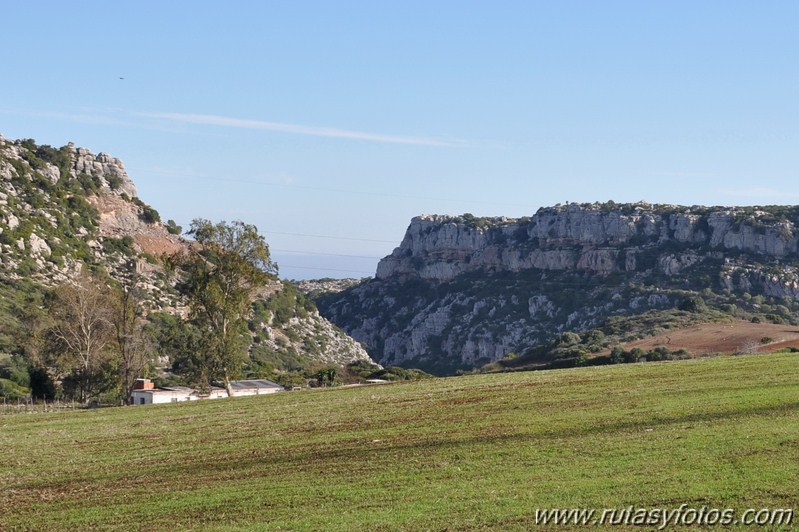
[227, 264]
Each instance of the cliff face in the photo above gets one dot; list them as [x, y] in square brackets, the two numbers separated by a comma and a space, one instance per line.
[462, 291]
[579, 238]
[109, 171]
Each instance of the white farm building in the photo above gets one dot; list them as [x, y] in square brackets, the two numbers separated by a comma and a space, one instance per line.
[145, 393]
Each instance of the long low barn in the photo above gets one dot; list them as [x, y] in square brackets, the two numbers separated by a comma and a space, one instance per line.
[145, 393]
[254, 387]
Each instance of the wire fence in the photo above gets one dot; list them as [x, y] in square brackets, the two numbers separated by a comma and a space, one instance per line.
[23, 406]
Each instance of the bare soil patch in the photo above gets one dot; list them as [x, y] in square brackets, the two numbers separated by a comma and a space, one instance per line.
[735, 337]
[120, 218]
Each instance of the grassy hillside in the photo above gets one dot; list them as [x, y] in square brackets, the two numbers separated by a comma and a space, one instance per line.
[475, 452]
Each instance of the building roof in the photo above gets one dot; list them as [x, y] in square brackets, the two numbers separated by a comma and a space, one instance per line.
[254, 384]
[167, 389]
[249, 384]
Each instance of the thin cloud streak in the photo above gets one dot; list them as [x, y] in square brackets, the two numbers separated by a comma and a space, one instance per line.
[682, 174]
[80, 118]
[91, 117]
[313, 131]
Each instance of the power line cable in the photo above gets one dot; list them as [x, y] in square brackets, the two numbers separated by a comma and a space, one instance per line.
[331, 237]
[324, 269]
[325, 254]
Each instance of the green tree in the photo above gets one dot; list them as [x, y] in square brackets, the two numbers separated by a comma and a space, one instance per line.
[173, 228]
[635, 355]
[42, 385]
[617, 355]
[569, 338]
[693, 304]
[326, 376]
[224, 269]
[180, 340]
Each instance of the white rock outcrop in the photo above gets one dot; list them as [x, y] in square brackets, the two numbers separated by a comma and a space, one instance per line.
[38, 246]
[587, 238]
[109, 170]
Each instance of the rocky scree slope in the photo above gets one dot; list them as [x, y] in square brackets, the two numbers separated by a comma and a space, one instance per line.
[66, 209]
[461, 291]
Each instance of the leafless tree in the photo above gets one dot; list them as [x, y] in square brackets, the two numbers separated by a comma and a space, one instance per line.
[78, 342]
[750, 347]
[131, 346]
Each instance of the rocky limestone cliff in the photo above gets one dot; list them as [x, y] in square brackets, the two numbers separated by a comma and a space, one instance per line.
[110, 171]
[462, 291]
[587, 238]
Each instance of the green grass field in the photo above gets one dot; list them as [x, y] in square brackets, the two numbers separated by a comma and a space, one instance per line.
[476, 452]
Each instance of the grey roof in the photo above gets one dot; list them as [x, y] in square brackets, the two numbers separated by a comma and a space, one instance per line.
[261, 384]
[166, 389]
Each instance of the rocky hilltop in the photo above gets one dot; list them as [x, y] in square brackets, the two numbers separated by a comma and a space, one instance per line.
[461, 291]
[591, 239]
[66, 209]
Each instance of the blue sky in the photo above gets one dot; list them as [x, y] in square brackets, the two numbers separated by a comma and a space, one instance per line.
[329, 125]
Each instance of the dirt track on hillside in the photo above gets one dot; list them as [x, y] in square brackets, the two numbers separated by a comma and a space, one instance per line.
[735, 337]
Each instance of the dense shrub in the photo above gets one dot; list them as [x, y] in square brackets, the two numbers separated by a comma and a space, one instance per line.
[693, 304]
[122, 245]
[114, 182]
[11, 390]
[150, 215]
[396, 373]
[173, 228]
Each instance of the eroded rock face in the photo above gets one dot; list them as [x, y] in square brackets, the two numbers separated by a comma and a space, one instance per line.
[38, 246]
[577, 237]
[110, 170]
[45, 195]
[311, 336]
[119, 218]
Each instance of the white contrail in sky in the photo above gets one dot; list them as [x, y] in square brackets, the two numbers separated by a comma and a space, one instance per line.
[314, 131]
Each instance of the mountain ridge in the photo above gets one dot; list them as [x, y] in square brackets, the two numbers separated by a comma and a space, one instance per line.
[486, 287]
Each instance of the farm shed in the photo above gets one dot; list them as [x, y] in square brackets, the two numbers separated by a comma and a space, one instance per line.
[171, 394]
[254, 387]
